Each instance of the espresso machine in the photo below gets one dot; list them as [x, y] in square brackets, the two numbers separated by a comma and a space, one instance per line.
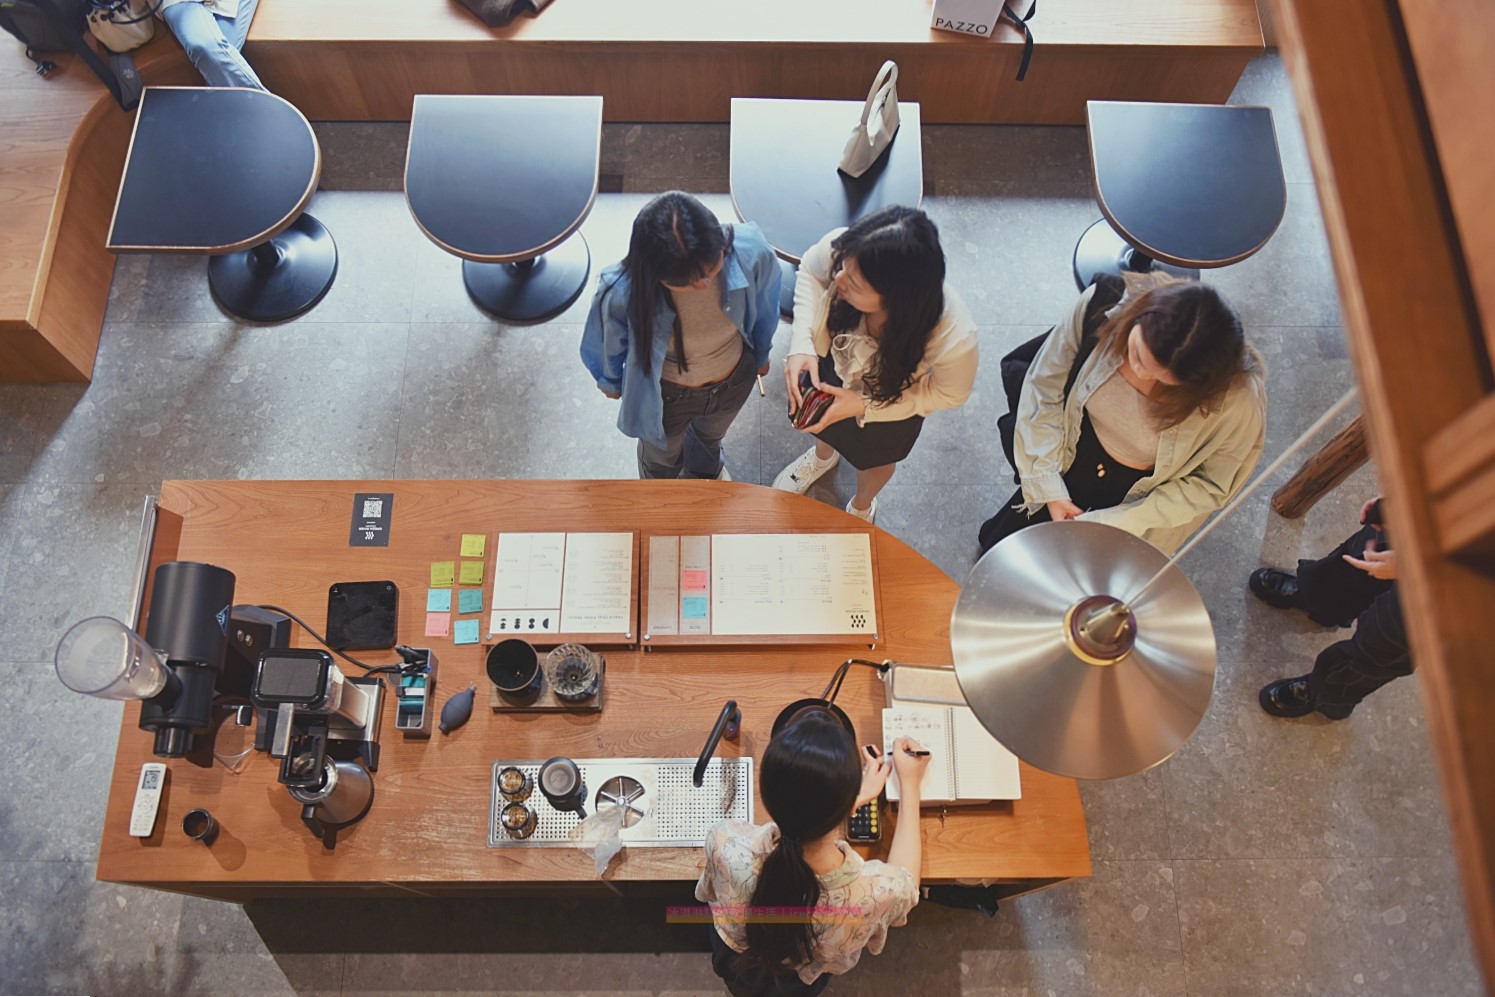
[324, 728]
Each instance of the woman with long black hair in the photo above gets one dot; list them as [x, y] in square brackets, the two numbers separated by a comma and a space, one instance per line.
[792, 904]
[877, 328]
[680, 330]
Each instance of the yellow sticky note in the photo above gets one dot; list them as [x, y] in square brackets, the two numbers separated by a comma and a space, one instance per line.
[441, 574]
[472, 544]
[472, 573]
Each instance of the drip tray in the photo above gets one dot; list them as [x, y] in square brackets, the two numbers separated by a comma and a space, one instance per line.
[665, 809]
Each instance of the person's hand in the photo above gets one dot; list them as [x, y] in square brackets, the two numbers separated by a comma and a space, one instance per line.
[1366, 508]
[1062, 509]
[1376, 563]
[763, 371]
[846, 404]
[794, 365]
[875, 772]
[910, 768]
[614, 395]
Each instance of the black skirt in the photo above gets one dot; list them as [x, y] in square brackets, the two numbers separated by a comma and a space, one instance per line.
[872, 445]
[1095, 480]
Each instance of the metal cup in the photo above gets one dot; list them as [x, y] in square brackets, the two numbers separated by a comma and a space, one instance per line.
[200, 825]
[560, 780]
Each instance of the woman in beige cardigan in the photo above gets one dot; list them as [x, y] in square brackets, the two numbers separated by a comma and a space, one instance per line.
[1164, 423]
[877, 328]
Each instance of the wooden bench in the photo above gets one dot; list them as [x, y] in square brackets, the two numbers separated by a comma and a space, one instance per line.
[62, 141]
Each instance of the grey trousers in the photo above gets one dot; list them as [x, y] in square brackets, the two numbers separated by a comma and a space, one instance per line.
[695, 420]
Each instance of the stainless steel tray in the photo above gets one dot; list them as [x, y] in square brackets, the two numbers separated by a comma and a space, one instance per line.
[675, 813]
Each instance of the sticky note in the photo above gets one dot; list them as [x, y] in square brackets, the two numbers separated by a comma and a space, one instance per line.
[693, 607]
[465, 632]
[470, 601]
[442, 574]
[694, 578]
[438, 624]
[472, 544]
[472, 573]
[438, 600]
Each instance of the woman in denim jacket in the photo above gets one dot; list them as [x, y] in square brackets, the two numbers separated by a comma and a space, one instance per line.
[1165, 422]
[680, 330]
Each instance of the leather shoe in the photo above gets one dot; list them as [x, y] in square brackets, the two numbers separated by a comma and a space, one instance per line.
[1278, 589]
[1287, 698]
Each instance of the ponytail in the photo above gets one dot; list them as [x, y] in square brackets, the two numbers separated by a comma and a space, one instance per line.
[777, 941]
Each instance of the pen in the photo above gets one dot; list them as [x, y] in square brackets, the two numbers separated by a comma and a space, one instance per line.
[915, 754]
[762, 391]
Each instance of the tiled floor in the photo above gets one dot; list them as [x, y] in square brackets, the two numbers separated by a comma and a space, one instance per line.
[1268, 857]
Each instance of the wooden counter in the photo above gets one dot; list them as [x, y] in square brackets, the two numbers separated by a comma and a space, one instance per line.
[426, 833]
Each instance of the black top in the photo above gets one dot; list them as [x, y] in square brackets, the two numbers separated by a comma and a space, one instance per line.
[213, 170]
[784, 176]
[498, 179]
[1195, 185]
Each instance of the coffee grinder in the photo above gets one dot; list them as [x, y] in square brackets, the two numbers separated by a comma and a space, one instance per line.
[323, 725]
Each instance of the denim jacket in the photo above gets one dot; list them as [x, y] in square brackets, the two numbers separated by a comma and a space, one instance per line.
[1201, 463]
[610, 351]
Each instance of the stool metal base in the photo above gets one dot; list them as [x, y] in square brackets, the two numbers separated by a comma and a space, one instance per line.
[788, 274]
[278, 279]
[1101, 250]
[534, 290]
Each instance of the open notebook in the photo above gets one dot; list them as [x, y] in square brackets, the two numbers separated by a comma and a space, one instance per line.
[966, 764]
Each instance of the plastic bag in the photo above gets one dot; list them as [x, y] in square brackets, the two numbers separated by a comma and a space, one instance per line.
[601, 836]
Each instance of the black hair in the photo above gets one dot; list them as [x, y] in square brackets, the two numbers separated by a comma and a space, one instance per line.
[898, 251]
[809, 779]
[676, 239]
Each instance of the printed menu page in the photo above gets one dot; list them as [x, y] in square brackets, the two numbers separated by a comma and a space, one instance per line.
[791, 583]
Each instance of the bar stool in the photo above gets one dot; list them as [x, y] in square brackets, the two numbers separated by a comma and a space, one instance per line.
[783, 173]
[504, 182]
[226, 172]
[1181, 186]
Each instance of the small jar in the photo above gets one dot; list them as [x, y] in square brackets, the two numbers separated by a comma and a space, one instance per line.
[514, 785]
[518, 821]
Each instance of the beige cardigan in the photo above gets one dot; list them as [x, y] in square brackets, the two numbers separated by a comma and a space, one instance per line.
[946, 373]
[1201, 463]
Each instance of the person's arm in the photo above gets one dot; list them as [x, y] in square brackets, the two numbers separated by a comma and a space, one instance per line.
[1038, 433]
[767, 283]
[951, 377]
[906, 849]
[811, 286]
[604, 340]
[1209, 486]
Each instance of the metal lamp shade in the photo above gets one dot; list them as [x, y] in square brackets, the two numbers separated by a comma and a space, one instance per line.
[1029, 681]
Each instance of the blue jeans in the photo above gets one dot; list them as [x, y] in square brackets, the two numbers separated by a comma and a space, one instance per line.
[213, 42]
[695, 420]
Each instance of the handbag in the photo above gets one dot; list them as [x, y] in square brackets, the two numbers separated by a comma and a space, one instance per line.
[871, 136]
[60, 25]
[1109, 290]
[497, 13]
[122, 25]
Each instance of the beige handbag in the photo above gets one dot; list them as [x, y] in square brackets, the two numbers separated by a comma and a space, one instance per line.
[122, 25]
[872, 135]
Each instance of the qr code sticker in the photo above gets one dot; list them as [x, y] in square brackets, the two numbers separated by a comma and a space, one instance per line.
[373, 508]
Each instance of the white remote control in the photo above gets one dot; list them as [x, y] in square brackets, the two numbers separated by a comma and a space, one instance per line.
[147, 799]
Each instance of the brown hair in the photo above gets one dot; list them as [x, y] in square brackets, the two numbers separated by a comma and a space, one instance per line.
[1193, 332]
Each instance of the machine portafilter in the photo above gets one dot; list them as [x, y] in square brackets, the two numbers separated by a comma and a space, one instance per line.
[174, 669]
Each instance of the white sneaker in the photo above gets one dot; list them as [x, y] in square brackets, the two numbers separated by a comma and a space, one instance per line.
[869, 514]
[724, 476]
[804, 472]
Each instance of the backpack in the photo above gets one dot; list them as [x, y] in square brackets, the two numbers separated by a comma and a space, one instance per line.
[60, 25]
[1109, 289]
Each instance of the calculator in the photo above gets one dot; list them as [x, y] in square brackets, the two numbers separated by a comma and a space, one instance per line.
[865, 822]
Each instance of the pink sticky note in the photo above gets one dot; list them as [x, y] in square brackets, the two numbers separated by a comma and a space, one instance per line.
[693, 579]
[438, 624]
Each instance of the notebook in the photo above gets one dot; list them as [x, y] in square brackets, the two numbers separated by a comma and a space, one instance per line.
[966, 764]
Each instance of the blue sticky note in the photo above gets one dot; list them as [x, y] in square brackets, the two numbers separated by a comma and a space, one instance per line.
[693, 607]
[438, 600]
[470, 601]
[465, 632]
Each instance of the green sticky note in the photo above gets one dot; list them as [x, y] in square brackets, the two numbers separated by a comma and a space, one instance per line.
[470, 601]
[472, 544]
[472, 573]
[442, 574]
[439, 600]
[465, 632]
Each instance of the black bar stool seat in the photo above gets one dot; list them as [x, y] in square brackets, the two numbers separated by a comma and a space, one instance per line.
[227, 172]
[504, 182]
[783, 173]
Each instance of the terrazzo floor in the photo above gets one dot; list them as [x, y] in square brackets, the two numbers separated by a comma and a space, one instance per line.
[1268, 857]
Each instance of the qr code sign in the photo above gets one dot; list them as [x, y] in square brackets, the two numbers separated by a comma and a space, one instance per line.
[373, 508]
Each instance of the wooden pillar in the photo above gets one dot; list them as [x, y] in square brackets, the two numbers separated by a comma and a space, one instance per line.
[1341, 457]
